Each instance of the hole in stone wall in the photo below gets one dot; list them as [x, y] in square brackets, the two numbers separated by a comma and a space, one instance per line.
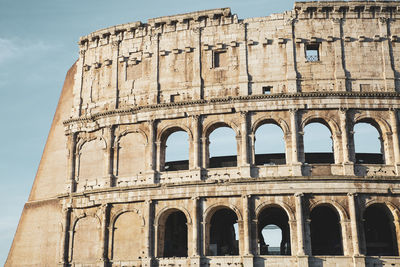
[223, 148]
[175, 238]
[318, 147]
[312, 52]
[380, 233]
[368, 144]
[273, 232]
[177, 151]
[269, 145]
[224, 240]
[326, 234]
[220, 59]
[267, 90]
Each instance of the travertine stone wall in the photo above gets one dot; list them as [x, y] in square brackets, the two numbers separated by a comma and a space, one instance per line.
[135, 84]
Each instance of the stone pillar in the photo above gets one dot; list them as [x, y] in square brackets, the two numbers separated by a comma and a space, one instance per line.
[109, 180]
[152, 152]
[243, 67]
[246, 226]
[71, 183]
[396, 145]
[302, 258]
[340, 73]
[300, 224]
[387, 66]
[104, 234]
[205, 152]
[291, 64]
[196, 142]
[65, 237]
[158, 155]
[148, 251]
[296, 162]
[114, 71]
[348, 166]
[354, 223]
[197, 79]
[245, 151]
[195, 227]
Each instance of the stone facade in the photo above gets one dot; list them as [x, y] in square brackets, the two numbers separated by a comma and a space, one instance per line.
[103, 195]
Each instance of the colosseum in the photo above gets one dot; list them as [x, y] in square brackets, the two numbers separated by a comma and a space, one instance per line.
[106, 194]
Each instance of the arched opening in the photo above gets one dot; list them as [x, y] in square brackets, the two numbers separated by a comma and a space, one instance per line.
[222, 147]
[177, 151]
[174, 241]
[380, 232]
[269, 145]
[326, 234]
[273, 232]
[368, 144]
[318, 146]
[224, 238]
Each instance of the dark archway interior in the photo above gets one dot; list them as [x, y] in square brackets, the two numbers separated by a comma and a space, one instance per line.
[278, 217]
[326, 236]
[380, 233]
[223, 240]
[175, 241]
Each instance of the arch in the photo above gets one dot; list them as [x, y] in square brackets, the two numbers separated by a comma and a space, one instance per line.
[166, 131]
[125, 132]
[172, 233]
[215, 124]
[163, 137]
[165, 210]
[267, 137]
[85, 139]
[125, 226]
[336, 206]
[331, 124]
[289, 211]
[213, 208]
[380, 230]
[276, 216]
[220, 235]
[277, 121]
[380, 124]
[368, 155]
[86, 238]
[325, 229]
[226, 158]
[119, 212]
[325, 156]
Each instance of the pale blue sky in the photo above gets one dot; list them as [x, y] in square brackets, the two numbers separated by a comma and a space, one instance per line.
[38, 44]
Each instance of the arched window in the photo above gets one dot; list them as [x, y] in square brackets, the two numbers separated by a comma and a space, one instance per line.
[318, 147]
[222, 148]
[368, 144]
[173, 235]
[326, 234]
[269, 145]
[380, 232]
[273, 232]
[223, 239]
[177, 151]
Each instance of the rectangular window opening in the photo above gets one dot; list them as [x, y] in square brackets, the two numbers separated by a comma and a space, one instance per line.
[219, 58]
[267, 90]
[312, 52]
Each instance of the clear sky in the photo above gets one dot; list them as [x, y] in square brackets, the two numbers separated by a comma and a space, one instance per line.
[38, 44]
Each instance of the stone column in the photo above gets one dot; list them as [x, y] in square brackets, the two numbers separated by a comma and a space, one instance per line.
[158, 155]
[296, 162]
[104, 234]
[300, 224]
[348, 166]
[353, 223]
[65, 237]
[205, 152]
[109, 180]
[114, 71]
[396, 145]
[71, 183]
[196, 142]
[148, 251]
[291, 64]
[197, 79]
[246, 226]
[243, 63]
[152, 152]
[245, 151]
